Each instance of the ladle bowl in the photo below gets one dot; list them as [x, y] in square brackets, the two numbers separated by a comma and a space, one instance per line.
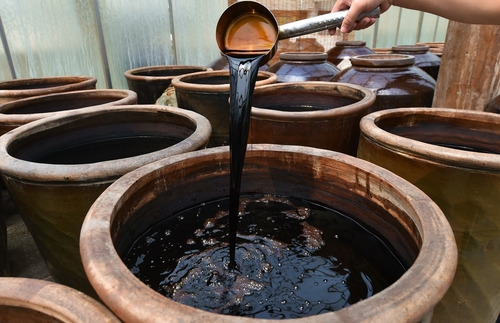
[250, 19]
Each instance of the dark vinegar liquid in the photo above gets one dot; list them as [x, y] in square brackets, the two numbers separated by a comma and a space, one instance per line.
[243, 76]
[248, 39]
[103, 150]
[295, 259]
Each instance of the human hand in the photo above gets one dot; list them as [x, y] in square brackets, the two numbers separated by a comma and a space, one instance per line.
[355, 8]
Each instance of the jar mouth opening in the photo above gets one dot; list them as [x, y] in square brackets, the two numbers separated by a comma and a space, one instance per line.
[354, 43]
[303, 56]
[161, 72]
[411, 48]
[437, 135]
[383, 60]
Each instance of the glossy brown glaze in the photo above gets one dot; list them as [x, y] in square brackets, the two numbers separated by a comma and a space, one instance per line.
[299, 44]
[347, 49]
[23, 88]
[302, 67]
[32, 300]
[54, 168]
[315, 114]
[454, 157]
[207, 93]
[424, 58]
[16, 113]
[151, 81]
[394, 78]
[4, 258]
[373, 196]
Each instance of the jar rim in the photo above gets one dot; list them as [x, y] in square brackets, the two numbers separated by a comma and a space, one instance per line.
[383, 60]
[303, 56]
[411, 48]
[350, 43]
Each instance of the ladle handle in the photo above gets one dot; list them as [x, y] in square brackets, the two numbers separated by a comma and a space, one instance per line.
[319, 23]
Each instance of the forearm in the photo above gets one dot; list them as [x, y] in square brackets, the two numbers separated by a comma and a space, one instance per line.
[466, 11]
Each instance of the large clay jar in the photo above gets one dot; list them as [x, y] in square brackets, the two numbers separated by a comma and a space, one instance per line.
[424, 59]
[347, 49]
[16, 113]
[401, 213]
[33, 300]
[207, 93]
[23, 88]
[454, 157]
[150, 82]
[297, 44]
[315, 114]
[493, 105]
[4, 259]
[54, 169]
[394, 78]
[303, 66]
[434, 47]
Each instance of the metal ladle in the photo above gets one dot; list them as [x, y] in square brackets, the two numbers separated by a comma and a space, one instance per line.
[298, 28]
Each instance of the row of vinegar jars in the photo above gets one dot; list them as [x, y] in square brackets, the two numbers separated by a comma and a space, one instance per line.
[404, 77]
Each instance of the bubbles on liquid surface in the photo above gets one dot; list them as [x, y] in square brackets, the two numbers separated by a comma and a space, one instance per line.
[296, 267]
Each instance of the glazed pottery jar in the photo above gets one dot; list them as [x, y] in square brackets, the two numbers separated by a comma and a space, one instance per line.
[424, 59]
[315, 114]
[33, 300]
[296, 44]
[16, 113]
[407, 219]
[151, 81]
[454, 157]
[54, 168]
[207, 93]
[4, 259]
[23, 88]
[347, 49]
[434, 47]
[493, 105]
[303, 66]
[394, 78]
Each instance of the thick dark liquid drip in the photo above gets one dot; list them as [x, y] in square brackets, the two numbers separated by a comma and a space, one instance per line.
[243, 75]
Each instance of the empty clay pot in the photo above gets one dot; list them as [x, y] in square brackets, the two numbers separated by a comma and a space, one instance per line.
[394, 78]
[16, 113]
[424, 59]
[347, 49]
[303, 66]
[454, 157]
[23, 88]
[315, 114]
[406, 217]
[54, 169]
[207, 93]
[150, 82]
[33, 300]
